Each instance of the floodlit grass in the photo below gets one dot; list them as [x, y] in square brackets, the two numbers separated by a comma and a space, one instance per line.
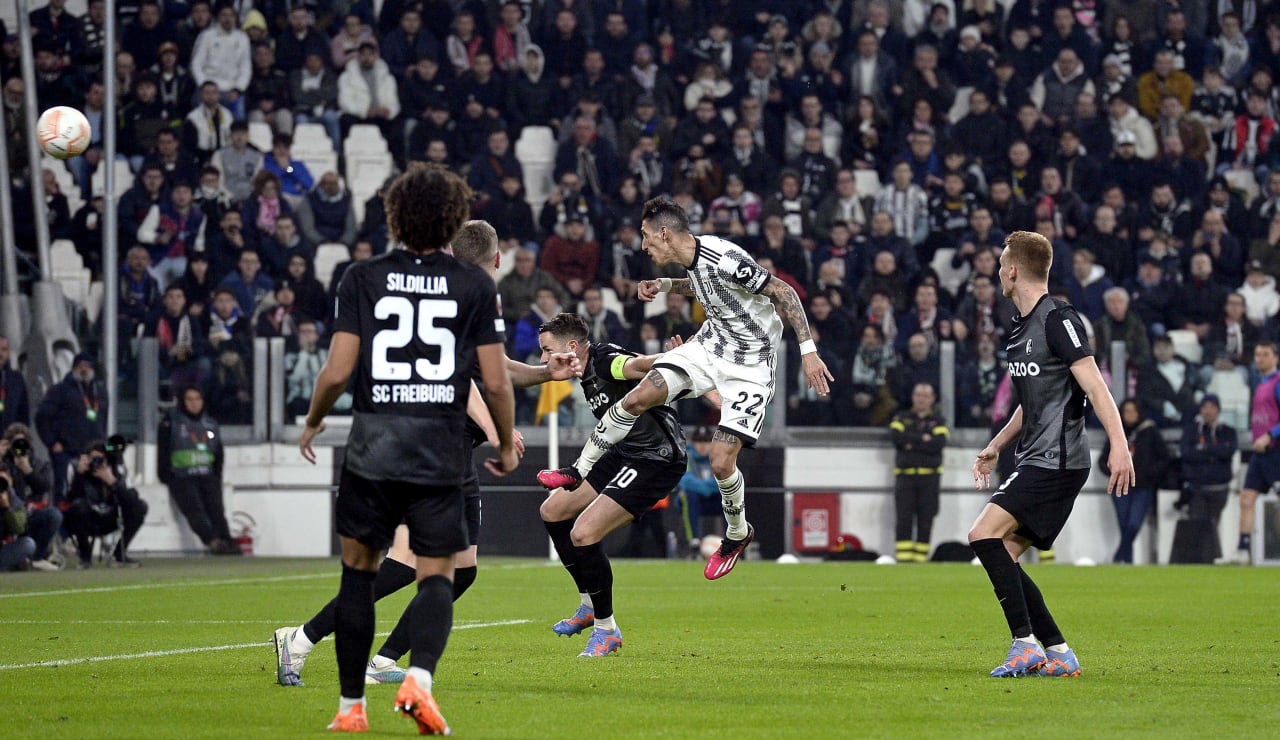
[810, 650]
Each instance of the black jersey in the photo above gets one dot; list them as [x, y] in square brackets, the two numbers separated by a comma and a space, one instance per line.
[1042, 348]
[419, 319]
[657, 435]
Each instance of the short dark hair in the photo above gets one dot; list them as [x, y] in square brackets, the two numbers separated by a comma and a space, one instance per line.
[662, 212]
[282, 139]
[476, 242]
[426, 206]
[565, 326]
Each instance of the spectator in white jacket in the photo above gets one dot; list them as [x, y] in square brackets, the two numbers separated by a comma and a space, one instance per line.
[1261, 300]
[1125, 117]
[367, 93]
[207, 127]
[222, 55]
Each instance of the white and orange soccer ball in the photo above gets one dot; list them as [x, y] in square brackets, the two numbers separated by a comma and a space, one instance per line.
[63, 132]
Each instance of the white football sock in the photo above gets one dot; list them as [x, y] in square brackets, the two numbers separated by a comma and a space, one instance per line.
[299, 645]
[1059, 648]
[610, 430]
[422, 676]
[1030, 639]
[733, 501]
[586, 600]
[345, 705]
[606, 623]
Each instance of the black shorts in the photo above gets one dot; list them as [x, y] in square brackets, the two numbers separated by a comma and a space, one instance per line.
[1041, 500]
[635, 484]
[369, 512]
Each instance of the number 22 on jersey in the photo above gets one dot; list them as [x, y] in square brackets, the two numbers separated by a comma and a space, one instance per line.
[403, 311]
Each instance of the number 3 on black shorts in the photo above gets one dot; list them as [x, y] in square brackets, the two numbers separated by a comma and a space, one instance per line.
[1007, 481]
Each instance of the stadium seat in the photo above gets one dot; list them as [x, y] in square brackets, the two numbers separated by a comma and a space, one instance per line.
[1233, 393]
[93, 301]
[868, 183]
[308, 137]
[950, 277]
[66, 182]
[1186, 344]
[364, 138]
[318, 162]
[960, 108]
[536, 152]
[327, 258]
[366, 167]
[64, 260]
[610, 300]
[124, 178]
[260, 135]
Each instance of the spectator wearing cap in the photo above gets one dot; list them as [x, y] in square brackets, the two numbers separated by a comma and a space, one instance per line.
[313, 92]
[176, 88]
[222, 56]
[282, 318]
[299, 40]
[1207, 448]
[368, 93]
[172, 230]
[207, 128]
[72, 415]
[973, 61]
[1126, 119]
[325, 213]
[1132, 174]
[1261, 299]
[409, 42]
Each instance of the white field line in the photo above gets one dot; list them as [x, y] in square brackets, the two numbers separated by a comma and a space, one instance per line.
[207, 649]
[223, 582]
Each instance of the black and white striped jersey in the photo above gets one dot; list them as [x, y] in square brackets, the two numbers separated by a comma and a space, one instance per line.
[742, 326]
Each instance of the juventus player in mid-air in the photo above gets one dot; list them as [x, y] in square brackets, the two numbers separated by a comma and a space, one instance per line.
[637, 473]
[1053, 373]
[735, 353]
[477, 243]
[411, 325]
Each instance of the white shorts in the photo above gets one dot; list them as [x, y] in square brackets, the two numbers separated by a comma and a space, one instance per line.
[690, 371]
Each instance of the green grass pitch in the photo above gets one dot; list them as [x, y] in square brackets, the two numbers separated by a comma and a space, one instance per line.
[180, 649]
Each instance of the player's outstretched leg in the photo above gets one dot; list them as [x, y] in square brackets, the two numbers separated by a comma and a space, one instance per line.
[739, 533]
[382, 667]
[610, 430]
[597, 576]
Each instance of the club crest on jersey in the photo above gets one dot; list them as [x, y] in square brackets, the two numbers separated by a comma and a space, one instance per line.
[744, 272]
[1028, 346]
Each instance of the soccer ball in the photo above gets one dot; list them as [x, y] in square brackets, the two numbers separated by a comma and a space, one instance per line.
[709, 545]
[63, 132]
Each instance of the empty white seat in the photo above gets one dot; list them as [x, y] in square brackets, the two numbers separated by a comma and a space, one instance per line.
[367, 167]
[960, 108]
[260, 135]
[318, 163]
[537, 139]
[327, 257]
[867, 182]
[951, 278]
[364, 138]
[311, 136]
[124, 178]
[93, 301]
[64, 259]
[1186, 344]
[1233, 393]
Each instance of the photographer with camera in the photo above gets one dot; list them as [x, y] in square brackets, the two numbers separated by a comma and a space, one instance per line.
[190, 458]
[100, 501]
[32, 484]
[72, 414]
[16, 548]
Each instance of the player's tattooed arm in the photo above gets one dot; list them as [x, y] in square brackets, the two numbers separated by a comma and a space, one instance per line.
[787, 303]
[682, 286]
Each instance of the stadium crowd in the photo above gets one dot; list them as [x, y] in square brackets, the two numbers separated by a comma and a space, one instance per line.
[872, 154]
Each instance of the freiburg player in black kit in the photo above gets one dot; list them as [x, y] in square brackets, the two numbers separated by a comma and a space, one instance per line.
[477, 243]
[411, 324]
[638, 472]
[1053, 372]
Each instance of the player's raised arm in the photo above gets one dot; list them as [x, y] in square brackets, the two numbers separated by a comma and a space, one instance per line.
[560, 366]
[1123, 477]
[501, 400]
[330, 384]
[787, 303]
[647, 290]
[990, 454]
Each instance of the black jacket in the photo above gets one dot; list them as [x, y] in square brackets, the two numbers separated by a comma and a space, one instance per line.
[15, 404]
[1150, 455]
[63, 415]
[1207, 452]
[918, 440]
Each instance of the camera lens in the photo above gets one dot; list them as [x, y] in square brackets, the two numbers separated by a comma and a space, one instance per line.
[96, 462]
